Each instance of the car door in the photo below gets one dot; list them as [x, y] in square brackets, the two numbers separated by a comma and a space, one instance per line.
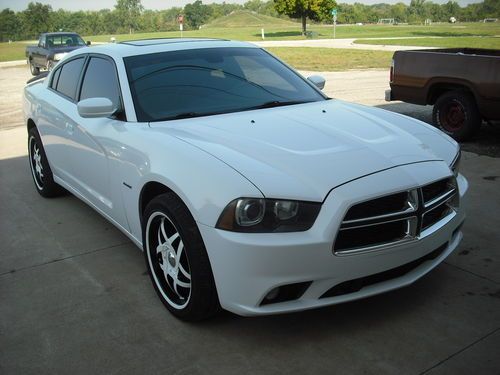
[56, 116]
[38, 52]
[94, 141]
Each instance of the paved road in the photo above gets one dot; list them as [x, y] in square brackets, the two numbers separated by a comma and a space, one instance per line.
[336, 43]
[75, 297]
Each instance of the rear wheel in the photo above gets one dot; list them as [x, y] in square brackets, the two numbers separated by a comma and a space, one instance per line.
[50, 65]
[456, 113]
[33, 69]
[177, 260]
[40, 169]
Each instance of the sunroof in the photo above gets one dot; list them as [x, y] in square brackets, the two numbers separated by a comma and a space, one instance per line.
[151, 42]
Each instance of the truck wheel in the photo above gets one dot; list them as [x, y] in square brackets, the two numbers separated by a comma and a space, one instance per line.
[456, 113]
[33, 69]
[50, 65]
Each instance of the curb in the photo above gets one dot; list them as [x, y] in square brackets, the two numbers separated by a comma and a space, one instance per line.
[4, 64]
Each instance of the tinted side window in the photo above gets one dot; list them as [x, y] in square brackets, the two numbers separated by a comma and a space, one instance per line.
[68, 78]
[100, 81]
[55, 78]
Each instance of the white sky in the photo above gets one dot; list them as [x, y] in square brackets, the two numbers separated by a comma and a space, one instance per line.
[163, 4]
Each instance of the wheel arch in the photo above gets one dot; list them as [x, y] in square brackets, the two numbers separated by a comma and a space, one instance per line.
[30, 124]
[439, 87]
[151, 190]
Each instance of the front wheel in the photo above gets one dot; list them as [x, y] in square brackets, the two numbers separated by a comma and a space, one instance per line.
[177, 260]
[40, 168]
[456, 113]
[33, 69]
[50, 65]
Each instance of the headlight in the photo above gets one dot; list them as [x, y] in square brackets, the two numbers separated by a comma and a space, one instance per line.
[258, 215]
[59, 56]
[455, 165]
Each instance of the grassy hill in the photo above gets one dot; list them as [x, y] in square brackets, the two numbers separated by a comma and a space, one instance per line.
[245, 18]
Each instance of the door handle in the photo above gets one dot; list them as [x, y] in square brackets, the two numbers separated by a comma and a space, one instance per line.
[70, 128]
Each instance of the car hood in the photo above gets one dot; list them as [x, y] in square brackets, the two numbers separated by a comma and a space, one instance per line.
[304, 151]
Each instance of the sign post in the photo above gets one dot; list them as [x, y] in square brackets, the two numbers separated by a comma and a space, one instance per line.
[180, 19]
[334, 14]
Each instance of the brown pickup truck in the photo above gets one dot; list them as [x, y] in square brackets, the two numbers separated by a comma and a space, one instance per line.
[462, 84]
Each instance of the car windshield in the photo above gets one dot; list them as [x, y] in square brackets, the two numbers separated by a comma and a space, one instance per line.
[202, 82]
[64, 40]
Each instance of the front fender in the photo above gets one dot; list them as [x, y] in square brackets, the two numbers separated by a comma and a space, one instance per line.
[205, 184]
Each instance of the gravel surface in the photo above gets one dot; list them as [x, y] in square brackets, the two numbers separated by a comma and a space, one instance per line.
[365, 87]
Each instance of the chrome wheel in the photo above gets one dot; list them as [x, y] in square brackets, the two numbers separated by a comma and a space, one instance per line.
[36, 162]
[168, 260]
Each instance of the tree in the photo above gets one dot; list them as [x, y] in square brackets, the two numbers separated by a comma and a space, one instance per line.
[417, 10]
[197, 13]
[9, 25]
[317, 10]
[128, 12]
[398, 12]
[37, 19]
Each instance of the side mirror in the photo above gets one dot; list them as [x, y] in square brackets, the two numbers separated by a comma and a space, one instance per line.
[96, 107]
[88, 43]
[317, 81]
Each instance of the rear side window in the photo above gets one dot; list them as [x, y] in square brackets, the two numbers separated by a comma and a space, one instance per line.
[68, 78]
[100, 81]
[55, 78]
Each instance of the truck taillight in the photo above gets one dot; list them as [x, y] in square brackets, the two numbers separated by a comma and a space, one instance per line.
[391, 74]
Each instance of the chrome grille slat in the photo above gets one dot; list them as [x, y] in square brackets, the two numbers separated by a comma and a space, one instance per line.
[424, 210]
[410, 209]
[439, 200]
[375, 223]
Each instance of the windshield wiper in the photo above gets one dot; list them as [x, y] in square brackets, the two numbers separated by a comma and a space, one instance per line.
[276, 103]
[271, 104]
[181, 116]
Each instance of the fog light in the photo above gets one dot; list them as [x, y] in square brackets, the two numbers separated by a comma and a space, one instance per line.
[285, 293]
[272, 294]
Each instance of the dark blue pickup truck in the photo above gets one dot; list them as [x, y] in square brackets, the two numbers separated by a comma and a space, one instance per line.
[51, 48]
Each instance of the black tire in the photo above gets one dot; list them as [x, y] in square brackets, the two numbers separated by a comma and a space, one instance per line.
[34, 69]
[40, 168]
[178, 246]
[456, 113]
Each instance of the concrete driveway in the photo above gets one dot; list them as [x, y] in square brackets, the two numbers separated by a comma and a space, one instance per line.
[75, 298]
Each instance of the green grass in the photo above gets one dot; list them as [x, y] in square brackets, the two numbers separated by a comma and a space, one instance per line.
[286, 30]
[246, 18]
[291, 31]
[12, 51]
[453, 42]
[329, 59]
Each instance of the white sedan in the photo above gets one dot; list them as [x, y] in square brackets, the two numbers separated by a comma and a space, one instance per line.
[246, 187]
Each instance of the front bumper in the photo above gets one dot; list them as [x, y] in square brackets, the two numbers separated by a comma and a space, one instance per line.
[388, 95]
[247, 266]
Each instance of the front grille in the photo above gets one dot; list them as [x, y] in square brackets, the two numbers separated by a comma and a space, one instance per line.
[434, 190]
[433, 216]
[355, 285]
[372, 234]
[379, 206]
[395, 218]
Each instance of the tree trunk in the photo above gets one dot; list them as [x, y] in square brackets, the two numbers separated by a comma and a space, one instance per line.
[304, 19]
